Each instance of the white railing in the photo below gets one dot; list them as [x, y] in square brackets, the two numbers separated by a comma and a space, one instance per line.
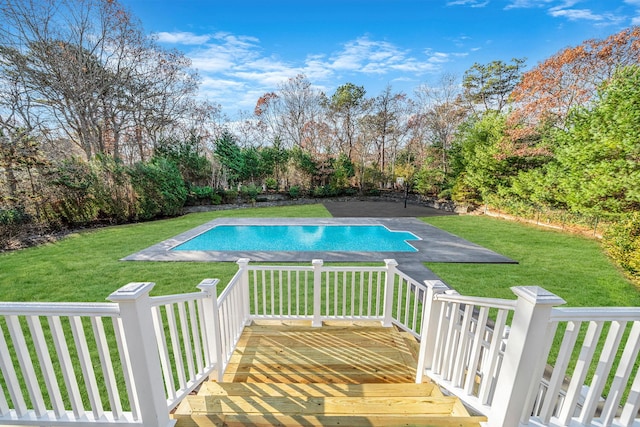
[507, 371]
[323, 293]
[38, 341]
[606, 360]
[152, 351]
[463, 343]
[233, 315]
[409, 301]
[182, 337]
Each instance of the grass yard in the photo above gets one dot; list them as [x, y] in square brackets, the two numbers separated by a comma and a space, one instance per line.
[85, 266]
[571, 266]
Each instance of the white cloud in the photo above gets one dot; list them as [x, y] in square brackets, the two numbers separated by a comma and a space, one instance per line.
[181, 37]
[575, 14]
[235, 71]
[527, 4]
[471, 3]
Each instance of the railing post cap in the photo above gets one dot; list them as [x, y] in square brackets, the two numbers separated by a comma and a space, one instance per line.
[436, 285]
[243, 261]
[537, 295]
[390, 262]
[131, 291]
[208, 284]
[317, 262]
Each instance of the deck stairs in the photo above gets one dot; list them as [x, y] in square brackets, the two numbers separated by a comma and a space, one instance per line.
[358, 375]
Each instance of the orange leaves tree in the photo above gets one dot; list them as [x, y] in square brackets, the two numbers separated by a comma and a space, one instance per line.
[570, 78]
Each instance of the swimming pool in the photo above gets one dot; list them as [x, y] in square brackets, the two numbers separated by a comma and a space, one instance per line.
[342, 238]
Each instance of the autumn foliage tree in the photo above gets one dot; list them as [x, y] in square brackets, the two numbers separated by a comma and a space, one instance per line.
[568, 79]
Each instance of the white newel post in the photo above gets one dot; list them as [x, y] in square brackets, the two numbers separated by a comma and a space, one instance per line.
[243, 265]
[212, 324]
[137, 324]
[391, 265]
[525, 348]
[317, 292]
[430, 318]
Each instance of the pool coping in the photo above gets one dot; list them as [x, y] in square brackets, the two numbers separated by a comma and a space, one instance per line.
[436, 245]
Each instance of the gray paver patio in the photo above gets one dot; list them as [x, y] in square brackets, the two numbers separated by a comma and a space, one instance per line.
[436, 246]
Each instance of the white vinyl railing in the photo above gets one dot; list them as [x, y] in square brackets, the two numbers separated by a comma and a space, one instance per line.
[130, 361]
[47, 358]
[467, 347]
[496, 356]
[602, 385]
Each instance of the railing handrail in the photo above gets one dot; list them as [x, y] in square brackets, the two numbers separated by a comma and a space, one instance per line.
[88, 309]
[176, 298]
[235, 280]
[466, 341]
[586, 314]
[502, 304]
[257, 267]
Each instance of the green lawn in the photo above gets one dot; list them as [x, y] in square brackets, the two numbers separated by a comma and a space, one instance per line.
[571, 266]
[85, 266]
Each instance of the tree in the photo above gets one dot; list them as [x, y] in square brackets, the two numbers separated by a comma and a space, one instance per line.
[229, 155]
[345, 108]
[568, 79]
[188, 155]
[440, 111]
[479, 168]
[275, 158]
[91, 73]
[384, 122]
[300, 105]
[490, 85]
[600, 152]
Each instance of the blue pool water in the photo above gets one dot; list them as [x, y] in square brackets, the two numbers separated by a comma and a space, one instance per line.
[340, 238]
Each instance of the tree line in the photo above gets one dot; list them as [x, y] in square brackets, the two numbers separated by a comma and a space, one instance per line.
[100, 124]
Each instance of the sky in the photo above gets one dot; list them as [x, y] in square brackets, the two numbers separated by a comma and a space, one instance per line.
[243, 49]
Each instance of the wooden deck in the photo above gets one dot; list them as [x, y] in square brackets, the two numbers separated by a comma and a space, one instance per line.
[356, 374]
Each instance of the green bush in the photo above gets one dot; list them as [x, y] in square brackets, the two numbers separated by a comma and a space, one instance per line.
[112, 191]
[318, 191]
[14, 216]
[271, 183]
[230, 196]
[294, 192]
[250, 192]
[622, 242]
[203, 195]
[72, 201]
[160, 188]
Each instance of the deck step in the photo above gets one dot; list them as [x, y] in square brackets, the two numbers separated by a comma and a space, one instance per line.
[322, 404]
[211, 388]
[338, 375]
[327, 421]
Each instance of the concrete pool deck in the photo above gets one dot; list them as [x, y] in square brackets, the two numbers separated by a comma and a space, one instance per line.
[436, 246]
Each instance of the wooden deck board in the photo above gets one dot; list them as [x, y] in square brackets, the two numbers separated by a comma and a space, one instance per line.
[328, 405]
[318, 389]
[357, 374]
[334, 354]
[211, 420]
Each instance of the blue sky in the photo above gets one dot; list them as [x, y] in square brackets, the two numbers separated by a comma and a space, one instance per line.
[245, 48]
